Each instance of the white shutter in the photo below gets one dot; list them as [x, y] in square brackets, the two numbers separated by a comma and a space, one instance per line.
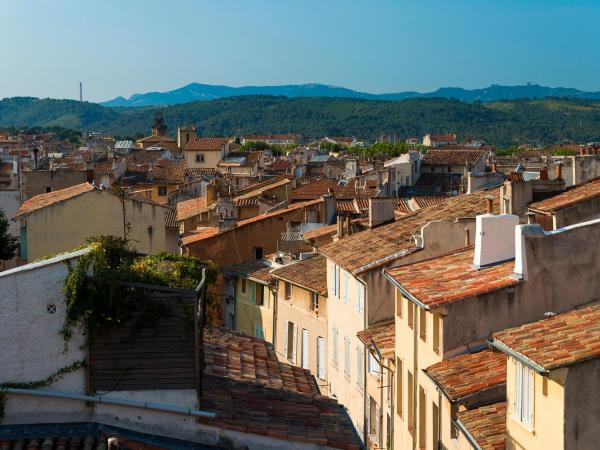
[346, 289]
[321, 358]
[253, 290]
[528, 397]
[360, 296]
[360, 365]
[286, 340]
[334, 343]
[295, 343]
[335, 280]
[518, 390]
[346, 355]
[304, 349]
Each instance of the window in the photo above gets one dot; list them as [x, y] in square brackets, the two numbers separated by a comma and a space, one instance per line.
[374, 420]
[259, 294]
[436, 332]
[411, 314]
[162, 191]
[398, 303]
[336, 280]
[409, 405]
[288, 291]
[321, 373]
[454, 431]
[373, 365]
[48, 189]
[346, 289]
[314, 302]
[422, 418]
[199, 157]
[334, 344]
[360, 366]
[347, 356]
[360, 297]
[258, 252]
[291, 341]
[258, 331]
[304, 348]
[399, 387]
[435, 424]
[423, 324]
[243, 285]
[523, 395]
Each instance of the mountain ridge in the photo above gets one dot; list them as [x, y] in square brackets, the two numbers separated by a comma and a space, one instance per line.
[204, 92]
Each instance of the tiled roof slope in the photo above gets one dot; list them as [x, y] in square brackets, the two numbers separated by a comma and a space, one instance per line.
[264, 188]
[383, 335]
[260, 185]
[190, 208]
[452, 157]
[487, 425]
[252, 392]
[309, 273]
[348, 191]
[451, 277]
[42, 200]
[206, 144]
[169, 171]
[257, 270]
[358, 250]
[563, 340]
[570, 197]
[465, 375]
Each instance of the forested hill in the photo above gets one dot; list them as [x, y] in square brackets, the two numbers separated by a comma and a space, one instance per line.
[506, 122]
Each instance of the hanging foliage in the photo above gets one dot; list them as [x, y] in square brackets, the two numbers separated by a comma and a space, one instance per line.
[98, 288]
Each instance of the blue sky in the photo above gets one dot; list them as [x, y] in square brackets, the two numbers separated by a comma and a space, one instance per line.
[128, 46]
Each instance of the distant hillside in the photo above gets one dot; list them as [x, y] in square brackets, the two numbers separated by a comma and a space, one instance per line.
[202, 92]
[506, 122]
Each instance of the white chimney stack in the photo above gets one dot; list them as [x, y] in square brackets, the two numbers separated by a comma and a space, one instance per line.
[494, 238]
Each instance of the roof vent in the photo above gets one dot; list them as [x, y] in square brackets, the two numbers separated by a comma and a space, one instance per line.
[549, 315]
[494, 238]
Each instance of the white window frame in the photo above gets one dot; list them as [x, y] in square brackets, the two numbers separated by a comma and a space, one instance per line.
[321, 358]
[305, 344]
[360, 297]
[346, 288]
[291, 356]
[347, 356]
[374, 367]
[360, 366]
[524, 394]
[334, 345]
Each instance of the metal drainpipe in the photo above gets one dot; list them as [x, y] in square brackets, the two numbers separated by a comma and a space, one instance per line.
[415, 369]
[275, 292]
[163, 407]
[439, 436]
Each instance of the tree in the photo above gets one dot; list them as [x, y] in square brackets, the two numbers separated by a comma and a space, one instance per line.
[8, 243]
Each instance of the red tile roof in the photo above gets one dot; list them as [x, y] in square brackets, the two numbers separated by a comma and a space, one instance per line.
[320, 232]
[281, 165]
[575, 195]
[345, 206]
[347, 191]
[169, 171]
[190, 208]
[428, 200]
[263, 188]
[364, 251]
[206, 144]
[451, 277]
[258, 270]
[253, 392]
[452, 157]
[487, 425]
[563, 340]
[310, 274]
[444, 137]
[465, 375]
[41, 201]
[383, 335]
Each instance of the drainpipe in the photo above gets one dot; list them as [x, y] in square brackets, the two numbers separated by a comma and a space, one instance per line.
[439, 418]
[415, 372]
[199, 334]
[162, 407]
[275, 293]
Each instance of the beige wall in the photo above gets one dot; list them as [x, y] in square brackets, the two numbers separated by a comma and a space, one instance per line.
[66, 225]
[297, 309]
[211, 159]
[250, 316]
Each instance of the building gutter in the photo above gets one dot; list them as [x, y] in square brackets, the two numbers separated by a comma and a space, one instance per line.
[406, 293]
[519, 357]
[468, 435]
[162, 407]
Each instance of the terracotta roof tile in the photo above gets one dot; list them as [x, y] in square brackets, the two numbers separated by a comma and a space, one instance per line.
[347, 191]
[51, 198]
[444, 137]
[319, 232]
[253, 392]
[452, 157]
[575, 195]
[565, 339]
[465, 375]
[201, 172]
[262, 188]
[403, 206]
[206, 144]
[171, 218]
[451, 277]
[190, 208]
[169, 171]
[383, 335]
[281, 165]
[487, 425]
[360, 251]
[345, 206]
[256, 270]
[428, 200]
[309, 273]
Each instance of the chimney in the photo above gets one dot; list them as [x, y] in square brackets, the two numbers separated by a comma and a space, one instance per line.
[494, 238]
[348, 225]
[559, 171]
[381, 211]
[494, 167]
[489, 205]
[330, 206]
[544, 173]
[340, 226]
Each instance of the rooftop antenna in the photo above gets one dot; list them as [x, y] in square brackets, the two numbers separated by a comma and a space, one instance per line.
[80, 91]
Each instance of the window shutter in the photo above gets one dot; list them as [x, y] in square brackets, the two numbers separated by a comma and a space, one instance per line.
[287, 332]
[305, 349]
[253, 293]
[295, 344]
[360, 297]
[518, 389]
[346, 290]
[337, 281]
[347, 355]
[360, 365]
[321, 358]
